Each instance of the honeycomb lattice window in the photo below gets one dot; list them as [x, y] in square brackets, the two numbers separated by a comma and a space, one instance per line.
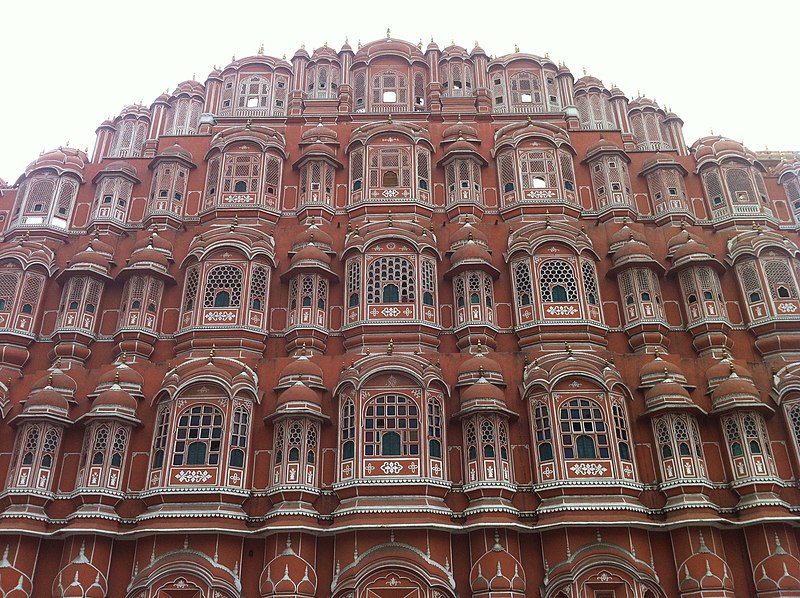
[471, 442]
[780, 280]
[740, 185]
[241, 173]
[522, 283]
[557, 282]
[391, 280]
[621, 431]
[590, 283]
[160, 438]
[254, 94]
[713, 185]
[223, 287]
[258, 288]
[9, 283]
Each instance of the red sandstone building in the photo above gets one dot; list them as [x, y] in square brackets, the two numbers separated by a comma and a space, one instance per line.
[400, 322]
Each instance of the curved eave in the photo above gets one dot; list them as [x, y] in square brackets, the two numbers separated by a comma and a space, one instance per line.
[297, 410]
[637, 262]
[120, 415]
[80, 269]
[49, 416]
[672, 406]
[744, 403]
[486, 408]
[310, 267]
[449, 156]
[464, 265]
[605, 152]
[690, 261]
[316, 155]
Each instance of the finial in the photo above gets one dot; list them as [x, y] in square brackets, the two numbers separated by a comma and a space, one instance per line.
[390, 347]
[419, 44]
[497, 546]
[657, 353]
[388, 33]
[390, 118]
[480, 347]
[481, 372]
[325, 45]
[186, 541]
[261, 50]
[731, 369]
[50, 379]
[476, 43]
[359, 44]
[303, 351]
[584, 71]
[116, 378]
[212, 353]
[516, 49]
[568, 349]
[303, 46]
[725, 353]
[703, 547]
[249, 123]
[123, 357]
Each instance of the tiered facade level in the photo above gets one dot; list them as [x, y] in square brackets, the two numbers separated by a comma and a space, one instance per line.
[400, 322]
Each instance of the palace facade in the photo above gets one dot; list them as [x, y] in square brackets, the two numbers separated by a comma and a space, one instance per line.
[400, 321]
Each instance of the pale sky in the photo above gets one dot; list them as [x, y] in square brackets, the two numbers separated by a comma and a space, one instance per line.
[730, 66]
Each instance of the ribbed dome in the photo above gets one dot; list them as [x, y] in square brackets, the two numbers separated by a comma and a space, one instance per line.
[61, 158]
[123, 374]
[735, 392]
[588, 81]
[190, 87]
[480, 366]
[155, 241]
[299, 393]
[472, 256]
[114, 397]
[624, 235]
[667, 394]
[313, 234]
[658, 369]
[483, 391]
[722, 370]
[47, 398]
[302, 368]
[310, 253]
[175, 151]
[460, 129]
[467, 233]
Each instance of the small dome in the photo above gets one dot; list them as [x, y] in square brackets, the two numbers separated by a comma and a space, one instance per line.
[46, 399]
[667, 394]
[313, 235]
[319, 134]
[483, 395]
[721, 371]
[642, 102]
[736, 392]
[692, 251]
[58, 379]
[659, 369]
[135, 111]
[479, 366]
[63, 158]
[468, 233]
[623, 235]
[633, 251]
[604, 146]
[325, 52]
[149, 256]
[119, 166]
[310, 253]
[432, 45]
[389, 46]
[459, 130]
[677, 240]
[190, 87]
[301, 368]
[616, 92]
[588, 81]
[298, 394]
[714, 148]
[155, 241]
[124, 375]
[471, 254]
[114, 397]
[477, 50]
[454, 51]
[175, 151]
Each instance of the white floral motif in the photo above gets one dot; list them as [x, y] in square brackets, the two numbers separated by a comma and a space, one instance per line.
[220, 316]
[391, 467]
[562, 310]
[193, 476]
[787, 308]
[588, 469]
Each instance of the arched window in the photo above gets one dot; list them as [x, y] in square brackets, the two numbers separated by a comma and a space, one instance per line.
[239, 435]
[583, 430]
[348, 430]
[391, 280]
[395, 417]
[780, 280]
[434, 428]
[223, 287]
[557, 282]
[544, 439]
[254, 94]
[526, 92]
[472, 442]
[198, 436]
[538, 169]
[522, 283]
[621, 432]
[390, 87]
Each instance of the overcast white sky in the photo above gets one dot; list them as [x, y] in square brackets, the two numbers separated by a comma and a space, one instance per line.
[66, 66]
